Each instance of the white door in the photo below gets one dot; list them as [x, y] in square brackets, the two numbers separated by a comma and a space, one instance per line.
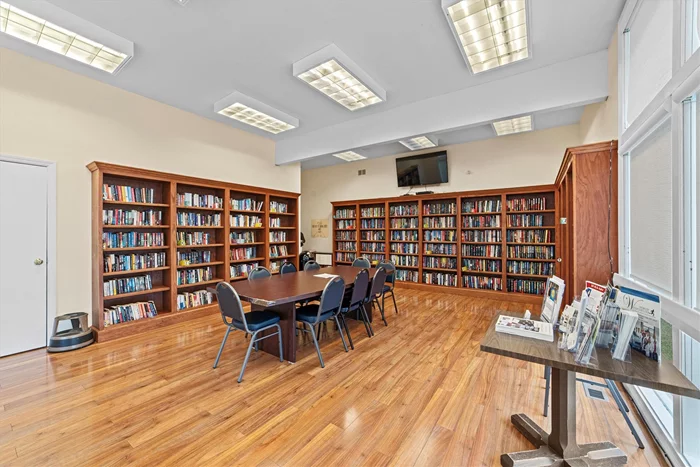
[23, 209]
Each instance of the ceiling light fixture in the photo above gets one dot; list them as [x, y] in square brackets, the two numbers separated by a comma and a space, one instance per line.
[334, 74]
[490, 33]
[104, 51]
[252, 112]
[419, 142]
[349, 156]
[513, 125]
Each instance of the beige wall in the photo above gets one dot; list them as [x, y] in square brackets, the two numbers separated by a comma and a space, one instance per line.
[518, 160]
[52, 114]
[599, 121]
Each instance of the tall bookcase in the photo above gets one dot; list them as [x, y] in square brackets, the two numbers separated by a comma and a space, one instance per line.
[164, 238]
[490, 243]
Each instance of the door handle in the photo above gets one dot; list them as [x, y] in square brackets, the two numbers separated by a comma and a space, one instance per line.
[38, 261]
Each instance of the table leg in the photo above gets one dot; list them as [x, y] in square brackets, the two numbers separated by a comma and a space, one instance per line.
[287, 313]
[559, 448]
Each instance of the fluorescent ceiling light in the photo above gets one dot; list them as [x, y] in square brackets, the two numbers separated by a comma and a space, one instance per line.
[334, 74]
[513, 125]
[252, 112]
[490, 33]
[349, 156]
[47, 35]
[419, 142]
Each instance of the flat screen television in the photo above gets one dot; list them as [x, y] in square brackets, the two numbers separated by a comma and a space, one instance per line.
[425, 169]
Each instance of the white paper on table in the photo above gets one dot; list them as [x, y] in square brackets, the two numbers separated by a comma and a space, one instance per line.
[326, 276]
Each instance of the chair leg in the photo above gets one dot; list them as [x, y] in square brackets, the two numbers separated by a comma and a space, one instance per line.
[279, 338]
[247, 355]
[548, 378]
[347, 331]
[318, 350]
[393, 297]
[381, 309]
[365, 319]
[221, 349]
[342, 338]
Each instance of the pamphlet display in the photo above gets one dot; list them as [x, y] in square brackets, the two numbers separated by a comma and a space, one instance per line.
[553, 296]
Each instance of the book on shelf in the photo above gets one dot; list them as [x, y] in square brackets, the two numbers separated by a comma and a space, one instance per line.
[471, 206]
[482, 282]
[126, 285]
[278, 207]
[132, 239]
[246, 204]
[129, 312]
[530, 236]
[372, 212]
[524, 203]
[186, 258]
[198, 219]
[238, 253]
[133, 262]
[194, 299]
[190, 238]
[344, 213]
[444, 207]
[243, 269]
[193, 276]
[525, 220]
[244, 220]
[132, 217]
[127, 194]
[404, 210]
[187, 200]
[242, 237]
[522, 327]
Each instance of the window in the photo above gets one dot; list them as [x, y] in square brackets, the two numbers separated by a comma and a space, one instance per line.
[692, 26]
[690, 408]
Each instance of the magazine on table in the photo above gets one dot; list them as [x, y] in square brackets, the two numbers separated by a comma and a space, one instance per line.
[525, 328]
[646, 337]
[551, 304]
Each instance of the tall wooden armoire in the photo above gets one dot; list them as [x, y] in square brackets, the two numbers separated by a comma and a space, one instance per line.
[587, 227]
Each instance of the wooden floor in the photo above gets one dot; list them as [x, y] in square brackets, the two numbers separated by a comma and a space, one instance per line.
[418, 393]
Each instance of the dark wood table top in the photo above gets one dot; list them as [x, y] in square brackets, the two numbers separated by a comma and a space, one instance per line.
[641, 371]
[292, 287]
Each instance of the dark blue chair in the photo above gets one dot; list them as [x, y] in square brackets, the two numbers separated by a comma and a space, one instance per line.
[390, 282]
[361, 262]
[376, 290]
[252, 323]
[312, 265]
[259, 272]
[287, 267]
[329, 307]
[355, 301]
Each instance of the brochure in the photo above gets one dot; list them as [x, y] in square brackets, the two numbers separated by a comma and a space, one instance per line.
[551, 304]
[646, 337]
[526, 328]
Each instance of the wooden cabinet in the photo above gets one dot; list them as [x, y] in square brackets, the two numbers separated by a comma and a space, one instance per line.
[587, 226]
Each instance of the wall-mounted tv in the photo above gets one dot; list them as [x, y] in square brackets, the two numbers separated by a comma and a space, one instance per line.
[425, 169]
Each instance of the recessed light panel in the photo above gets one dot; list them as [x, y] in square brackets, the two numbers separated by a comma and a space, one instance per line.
[491, 33]
[513, 125]
[419, 142]
[245, 114]
[349, 156]
[38, 31]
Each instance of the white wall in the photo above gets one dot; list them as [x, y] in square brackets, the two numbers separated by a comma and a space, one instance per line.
[599, 121]
[509, 161]
[52, 114]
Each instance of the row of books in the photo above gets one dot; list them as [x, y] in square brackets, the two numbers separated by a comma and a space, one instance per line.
[526, 220]
[481, 221]
[482, 236]
[440, 278]
[350, 235]
[404, 260]
[197, 219]
[374, 258]
[528, 286]
[439, 208]
[489, 251]
[275, 222]
[531, 252]
[129, 312]
[278, 250]
[128, 194]
[278, 236]
[441, 262]
[132, 262]
[439, 222]
[482, 265]
[482, 282]
[244, 253]
[244, 220]
[185, 258]
[242, 237]
[131, 217]
[344, 213]
[372, 212]
[194, 299]
[375, 236]
[405, 275]
[189, 238]
[275, 266]
[405, 223]
[484, 205]
[200, 201]
[345, 224]
[193, 276]
[523, 203]
[440, 249]
[243, 269]
[372, 246]
[126, 285]
[403, 210]
[345, 257]
[530, 267]
[132, 239]
[404, 236]
[530, 236]
[411, 248]
[346, 246]
[246, 204]
[278, 206]
[440, 236]
[372, 224]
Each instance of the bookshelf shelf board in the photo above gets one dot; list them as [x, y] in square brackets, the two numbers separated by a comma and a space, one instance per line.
[485, 243]
[285, 228]
[533, 276]
[245, 260]
[485, 213]
[535, 243]
[530, 212]
[439, 269]
[440, 242]
[136, 248]
[439, 215]
[483, 290]
[156, 289]
[197, 208]
[404, 241]
[353, 229]
[239, 278]
[493, 258]
[243, 211]
[540, 260]
[477, 273]
[133, 203]
[369, 230]
[372, 217]
[196, 308]
[210, 245]
[399, 266]
[200, 265]
[198, 284]
[410, 228]
[482, 228]
[282, 214]
[438, 285]
[526, 293]
[403, 254]
[282, 243]
[373, 252]
[346, 251]
[238, 227]
[234, 245]
[129, 227]
[133, 271]
[282, 257]
[344, 218]
[548, 227]
[437, 254]
[200, 227]
[414, 216]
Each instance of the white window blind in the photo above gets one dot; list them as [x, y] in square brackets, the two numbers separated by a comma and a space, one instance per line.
[649, 54]
[651, 210]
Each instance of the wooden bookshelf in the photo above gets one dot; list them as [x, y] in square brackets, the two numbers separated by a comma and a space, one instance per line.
[200, 224]
[460, 241]
[345, 232]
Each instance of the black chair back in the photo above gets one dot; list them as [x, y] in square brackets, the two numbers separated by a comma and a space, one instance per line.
[311, 265]
[359, 288]
[390, 271]
[259, 273]
[377, 283]
[230, 304]
[361, 262]
[288, 267]
[332, 296]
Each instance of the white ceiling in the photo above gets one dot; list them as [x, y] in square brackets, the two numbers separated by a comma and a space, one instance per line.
[192, 56]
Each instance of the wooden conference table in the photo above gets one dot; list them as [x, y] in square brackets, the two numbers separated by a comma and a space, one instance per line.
[560, 445]
[279, 293]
